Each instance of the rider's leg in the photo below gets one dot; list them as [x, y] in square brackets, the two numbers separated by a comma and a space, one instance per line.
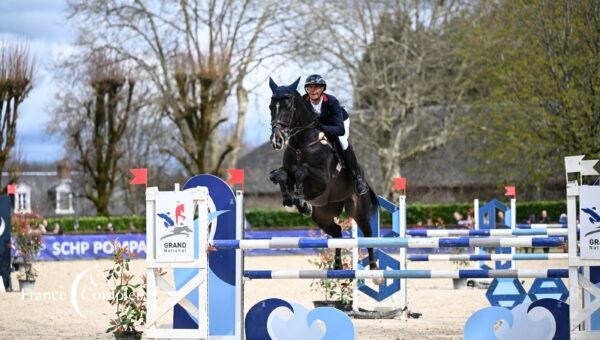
[352, 162]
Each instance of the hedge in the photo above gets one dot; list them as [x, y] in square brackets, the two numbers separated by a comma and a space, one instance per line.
[279, 218]
[88, 224]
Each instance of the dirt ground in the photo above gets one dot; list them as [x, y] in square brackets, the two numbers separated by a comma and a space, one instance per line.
[69, 301]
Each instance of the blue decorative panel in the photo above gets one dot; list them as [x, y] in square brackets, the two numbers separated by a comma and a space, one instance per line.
[506, 293]
[384, 290]
[548, 288]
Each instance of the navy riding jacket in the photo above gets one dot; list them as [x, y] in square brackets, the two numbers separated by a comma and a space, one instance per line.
[332, 115]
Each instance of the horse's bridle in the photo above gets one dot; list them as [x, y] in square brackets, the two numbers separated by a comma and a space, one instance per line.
[282, 125]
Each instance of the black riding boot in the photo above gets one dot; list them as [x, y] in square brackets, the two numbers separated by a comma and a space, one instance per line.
[352, 164]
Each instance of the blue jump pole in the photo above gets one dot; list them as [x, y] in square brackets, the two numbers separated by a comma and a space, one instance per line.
[404, 274]
[486, 232]
[488, 257]
[396, 242]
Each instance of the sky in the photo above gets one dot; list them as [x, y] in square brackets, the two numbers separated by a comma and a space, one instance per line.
[41, 24]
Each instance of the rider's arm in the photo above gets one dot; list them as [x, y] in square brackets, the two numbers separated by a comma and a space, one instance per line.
[334, 124]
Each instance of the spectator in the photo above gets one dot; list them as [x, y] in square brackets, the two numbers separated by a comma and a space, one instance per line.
[470, 218]
[458, 217]
[562, 219]
[429, 223]
[109, 228]
[132, 227]
[42, 228]
[57, 230]
[99, 228]
[544, 217]
[439, 223]
[500, 220]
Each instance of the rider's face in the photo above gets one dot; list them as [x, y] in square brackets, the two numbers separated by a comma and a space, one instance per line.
[314, 92]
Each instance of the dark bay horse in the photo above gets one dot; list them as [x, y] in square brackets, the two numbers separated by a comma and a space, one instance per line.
[311, 176]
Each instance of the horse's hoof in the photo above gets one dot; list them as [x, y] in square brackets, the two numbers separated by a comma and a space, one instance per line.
[288, 202]
[308, 209]
[378, 281]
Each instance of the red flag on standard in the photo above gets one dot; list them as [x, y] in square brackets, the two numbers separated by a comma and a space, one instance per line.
[140, 176]
[399, 183]
[236, 176]
[510, 191]
[11, 189]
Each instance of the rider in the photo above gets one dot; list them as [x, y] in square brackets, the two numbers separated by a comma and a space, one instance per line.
[334, 121]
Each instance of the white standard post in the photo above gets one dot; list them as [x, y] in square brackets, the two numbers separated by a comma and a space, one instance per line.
[240, 224]
[150, 254]
[355, 252]
[403, 258]
[203, 232]
[513, 226]
[476, 222]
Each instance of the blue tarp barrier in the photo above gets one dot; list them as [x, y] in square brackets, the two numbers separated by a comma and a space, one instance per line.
[77, 247]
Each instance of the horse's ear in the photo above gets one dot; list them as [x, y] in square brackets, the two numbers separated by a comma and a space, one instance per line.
[272, 84]
[294, 86]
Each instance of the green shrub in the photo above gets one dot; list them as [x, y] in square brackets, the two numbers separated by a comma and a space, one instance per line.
[88, 224]
[282, 219]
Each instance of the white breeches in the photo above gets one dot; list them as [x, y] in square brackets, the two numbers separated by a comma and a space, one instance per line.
[344, 139]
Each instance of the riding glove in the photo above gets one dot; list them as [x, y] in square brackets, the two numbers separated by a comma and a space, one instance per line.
[318, 125]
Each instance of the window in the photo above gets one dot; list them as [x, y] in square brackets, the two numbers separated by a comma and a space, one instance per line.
[23, 199]
[63, 199]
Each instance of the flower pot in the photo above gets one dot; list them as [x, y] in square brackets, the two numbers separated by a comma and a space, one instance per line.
[26, 285]
[335, 304]
[128, 336]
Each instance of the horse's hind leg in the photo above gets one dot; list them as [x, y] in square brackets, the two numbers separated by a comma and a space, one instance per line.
[362, 216]
[335, 230]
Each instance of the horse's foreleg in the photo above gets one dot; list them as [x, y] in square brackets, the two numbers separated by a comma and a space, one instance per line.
[299, 176]
[279, 176]
[301, 204]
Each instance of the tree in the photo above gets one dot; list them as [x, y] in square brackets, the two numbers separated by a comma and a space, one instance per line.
[197, 54]
[146, 134]
[94, 115]
[401, 61]
[16, 75]
[535, 86]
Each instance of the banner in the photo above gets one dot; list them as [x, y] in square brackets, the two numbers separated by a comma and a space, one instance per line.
[174, 227]
[80, 247]
[589, 216]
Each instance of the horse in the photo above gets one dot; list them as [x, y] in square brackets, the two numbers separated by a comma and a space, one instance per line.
[311, 176]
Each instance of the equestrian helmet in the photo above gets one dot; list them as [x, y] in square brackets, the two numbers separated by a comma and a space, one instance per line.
[315, 79]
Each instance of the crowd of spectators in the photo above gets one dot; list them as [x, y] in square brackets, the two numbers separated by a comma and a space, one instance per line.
[56, 228]
[469, 221]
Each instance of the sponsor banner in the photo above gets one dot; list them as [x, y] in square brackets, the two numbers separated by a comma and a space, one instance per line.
[589, 219]
[174, 229]
[77, 247]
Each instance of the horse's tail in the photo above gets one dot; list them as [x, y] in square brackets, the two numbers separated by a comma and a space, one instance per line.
[374, 200]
